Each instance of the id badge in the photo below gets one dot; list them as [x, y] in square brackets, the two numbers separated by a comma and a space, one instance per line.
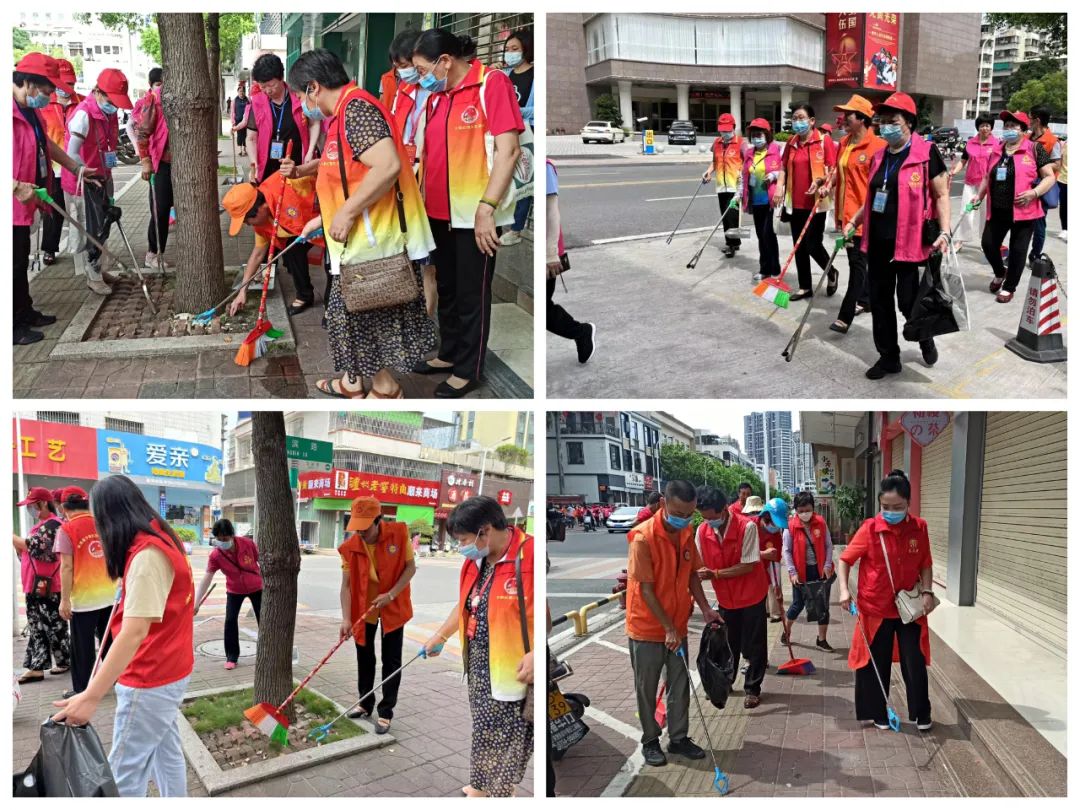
[881, 197]
[110, 160]
[277, 150]
[753, 180]
[43, 165]
[410, 150]
[1001, 174]
[470, 628]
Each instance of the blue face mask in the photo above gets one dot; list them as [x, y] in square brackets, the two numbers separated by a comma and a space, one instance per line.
[727, 136]
[225, 545]
[676, 522]
[800, 127]
[472, 551]
[891, 133]
[758, 142]
[38, 102]
[409, 75]
[1010, 135]
[716, 524]
[513, 58]
[430, 83]
[314, 114]
[892, 518]
[107, 107]
[770, 527]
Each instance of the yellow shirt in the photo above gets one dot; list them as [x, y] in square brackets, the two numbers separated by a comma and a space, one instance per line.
[148, 582]
[1063, 175]
[373, 576]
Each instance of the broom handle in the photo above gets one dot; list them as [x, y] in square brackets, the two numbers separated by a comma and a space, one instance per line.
[206, 596]
[101, 647]
[794, 250]
[258, 274]
[270, 250]
[79, 227]
[375, 688]
[319, 665]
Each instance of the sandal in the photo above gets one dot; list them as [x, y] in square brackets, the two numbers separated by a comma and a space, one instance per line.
[1004, 297]
[26, 677]
[327, 387]
[359, 714]
[382, 725]
[834, 282]
[996, 284]
[839, 326]
[59, 670]
[384, 386]
[861, 310]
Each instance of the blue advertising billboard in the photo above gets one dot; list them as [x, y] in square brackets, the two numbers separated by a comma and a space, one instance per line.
[171, 462]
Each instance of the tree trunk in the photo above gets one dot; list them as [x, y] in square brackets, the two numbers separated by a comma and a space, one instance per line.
[279, 559]
[213, 59]
[187, 97]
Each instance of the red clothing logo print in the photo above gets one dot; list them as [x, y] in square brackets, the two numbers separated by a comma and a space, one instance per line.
[470, 115]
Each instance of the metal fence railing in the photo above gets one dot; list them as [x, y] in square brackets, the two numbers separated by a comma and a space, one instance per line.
[489, 29]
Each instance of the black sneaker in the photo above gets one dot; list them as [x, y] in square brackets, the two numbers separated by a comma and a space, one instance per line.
[40, 319]
[24, 335]
[929, 351]
[686, 748]
[586, 343]
[653, 754]
[881, 368]
[729, 251]
[825, 645]
[783, 638]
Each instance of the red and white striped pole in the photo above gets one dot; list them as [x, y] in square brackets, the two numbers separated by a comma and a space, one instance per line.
[1039, 337]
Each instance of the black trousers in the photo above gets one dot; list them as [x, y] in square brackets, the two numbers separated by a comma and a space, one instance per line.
[365, 669]
[559, 321]
[999, 225]
[858, 292]
[163, 191]
[768, 249]
[20, 268]
[730, 218]
[892, 285]
[811, 247]
[295, 262]
[88, 629]
[463, 275]
[1063, 206]
[869, 701]
[233, 603]
[746, 636]
[53, 223]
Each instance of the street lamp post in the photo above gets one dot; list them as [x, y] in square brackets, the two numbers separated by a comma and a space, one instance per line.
[483, 462]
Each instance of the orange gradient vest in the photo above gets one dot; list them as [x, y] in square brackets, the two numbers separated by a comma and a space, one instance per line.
[297, 206]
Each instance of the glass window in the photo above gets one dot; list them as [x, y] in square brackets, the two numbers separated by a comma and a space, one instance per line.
[575, 453]
[62, 417]
[628, 460]
[123, 425]
[615, 456]
[637, 462]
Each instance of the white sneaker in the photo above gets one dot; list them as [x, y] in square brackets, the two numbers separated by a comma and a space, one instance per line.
[1063, 236]
[98, 286]
[925, 726]
[151, 261]
[511, 237]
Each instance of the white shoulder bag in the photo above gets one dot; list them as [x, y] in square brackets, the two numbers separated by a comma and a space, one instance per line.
[909, 604]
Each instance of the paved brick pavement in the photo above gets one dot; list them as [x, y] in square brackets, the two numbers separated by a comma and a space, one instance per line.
[209, 375]
[803, 740]
[432, 722]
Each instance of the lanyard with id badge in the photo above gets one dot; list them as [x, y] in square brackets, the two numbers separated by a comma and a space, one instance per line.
[881, 196]
[473, 605]
[1001, 173]
[277, 146]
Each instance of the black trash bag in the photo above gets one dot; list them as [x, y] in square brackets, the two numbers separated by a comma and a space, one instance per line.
[71, 763]
[934, 312]
[816, 598]
[716, 664]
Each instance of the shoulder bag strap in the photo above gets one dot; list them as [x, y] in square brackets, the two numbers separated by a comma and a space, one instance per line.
[521, 598]
[398, 196]
[885, 551]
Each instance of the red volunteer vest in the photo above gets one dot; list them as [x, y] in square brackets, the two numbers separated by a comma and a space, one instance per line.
[798, 543]
[389, 565]
[724, 552]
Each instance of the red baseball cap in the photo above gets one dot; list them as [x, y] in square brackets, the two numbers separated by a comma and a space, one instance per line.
[73, 494]
[1018, 117]
[826, 127]
[114, 84]
[761, 123]
[898, 101]
[726, 123]
[41, 64]
[36, 493]
[56, 494]
[66, 71]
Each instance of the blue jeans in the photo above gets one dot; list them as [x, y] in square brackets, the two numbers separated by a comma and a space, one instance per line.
[1038, 239]
[797, 604]
[521, 213]
[146, 740]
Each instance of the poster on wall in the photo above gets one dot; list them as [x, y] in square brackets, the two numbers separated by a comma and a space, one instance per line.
[924, 426]
[825, 472]
[843, 49]
[881, 51]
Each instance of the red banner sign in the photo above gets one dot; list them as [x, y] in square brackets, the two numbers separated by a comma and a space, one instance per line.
[350, 484]
[49, 448]
[457, 487]
[881, 51]
[505, 497]
[843, 49]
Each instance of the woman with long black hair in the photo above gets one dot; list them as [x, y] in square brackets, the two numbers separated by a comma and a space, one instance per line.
[151, 656]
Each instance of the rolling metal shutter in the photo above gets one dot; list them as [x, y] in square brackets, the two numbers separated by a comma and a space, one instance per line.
[896, 455]
[934, 492]
[1021, 574]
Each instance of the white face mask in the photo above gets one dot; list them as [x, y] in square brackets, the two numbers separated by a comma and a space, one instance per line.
[805, 517]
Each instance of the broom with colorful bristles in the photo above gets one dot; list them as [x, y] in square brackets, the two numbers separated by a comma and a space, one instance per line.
[258, 339]
[773, 289]
[796, 666]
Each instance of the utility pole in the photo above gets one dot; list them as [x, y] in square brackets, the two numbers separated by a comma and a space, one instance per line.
[558, 453]
[765, 424]
[23, 527]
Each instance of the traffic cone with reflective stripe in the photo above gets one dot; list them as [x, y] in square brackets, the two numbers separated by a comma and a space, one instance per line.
[1039, 336]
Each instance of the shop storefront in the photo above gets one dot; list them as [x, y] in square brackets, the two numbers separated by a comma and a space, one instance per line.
[53, 456]
[326, 498]
[514, 496]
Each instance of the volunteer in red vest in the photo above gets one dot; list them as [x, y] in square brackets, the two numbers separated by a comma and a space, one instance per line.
[730, 553]
[909, 186]
[808, 557]
[761, 168]
[409, 101]
[771, 543]
[900, 538]
[467, 200]
[87, 591]
[809, 161]
[975, 162]
[494, 622]
[376, 567]
[276, 119]
[1041, 134]
[93, 138]
[850, 180]
[55, 117]
[151, 654]
[375, 219]
[35, 77]
[254, 205]
[726, 167]
[662, 586]
[47, 632]
[745, 490]
[152, 144]
[1020, 172]
[651, 507]
[519, 60]
[238, 557]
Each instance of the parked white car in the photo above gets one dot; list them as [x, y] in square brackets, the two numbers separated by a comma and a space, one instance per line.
[602, 132]
[622, 519]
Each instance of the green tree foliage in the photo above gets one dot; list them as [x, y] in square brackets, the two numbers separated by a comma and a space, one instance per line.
[1050, 91]
[1028, 71]
[607, 109]
[150, 42]
[20, 42]
[681, 462]
[233, 28]
[1053, 27]
[115, 21]
[512, 454]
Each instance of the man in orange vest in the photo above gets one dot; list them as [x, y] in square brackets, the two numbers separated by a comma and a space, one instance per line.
[254, 205]
[376, 567]
[1041, 134]
[661, 589]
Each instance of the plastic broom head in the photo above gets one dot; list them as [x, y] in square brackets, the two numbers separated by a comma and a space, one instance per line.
[269, 721]
[246, 353]
[774, 291]
[796, 666]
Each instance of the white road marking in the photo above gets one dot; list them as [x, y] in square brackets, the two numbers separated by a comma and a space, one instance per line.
[595, 596]
[603, 642]
[686, 197]
[641, 236]
[632, 767]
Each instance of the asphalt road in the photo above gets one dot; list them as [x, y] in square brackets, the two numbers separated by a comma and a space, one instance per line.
[615, 201]
[583, 569]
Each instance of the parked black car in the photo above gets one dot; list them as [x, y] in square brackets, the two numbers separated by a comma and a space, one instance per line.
[682, 133]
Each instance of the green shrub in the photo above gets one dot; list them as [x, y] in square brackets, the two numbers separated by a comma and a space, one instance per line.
[187, 535]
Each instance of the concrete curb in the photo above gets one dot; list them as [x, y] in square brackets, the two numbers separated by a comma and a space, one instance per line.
[565, 640]
[72, 346]
[217, 781]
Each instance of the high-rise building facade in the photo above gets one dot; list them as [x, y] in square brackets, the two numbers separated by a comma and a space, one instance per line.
[767, 437]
